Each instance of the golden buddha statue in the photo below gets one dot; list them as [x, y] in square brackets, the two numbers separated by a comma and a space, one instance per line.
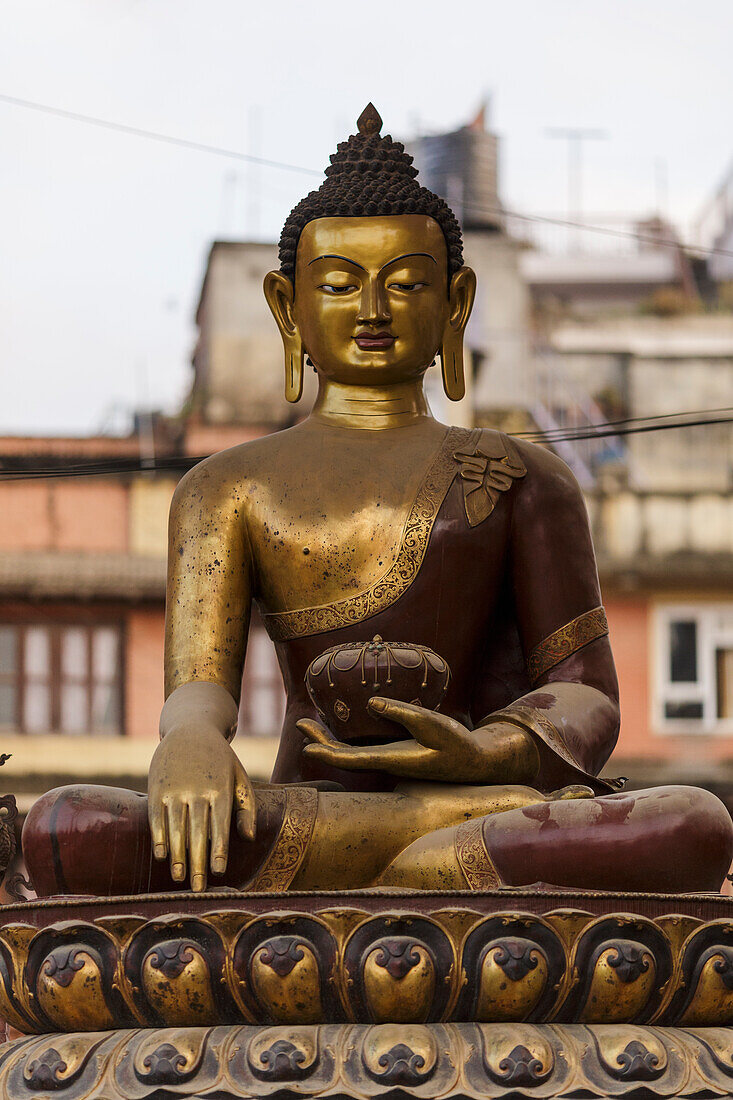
[371, 517]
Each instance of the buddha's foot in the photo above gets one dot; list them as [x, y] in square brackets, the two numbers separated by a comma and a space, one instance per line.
[574, 790]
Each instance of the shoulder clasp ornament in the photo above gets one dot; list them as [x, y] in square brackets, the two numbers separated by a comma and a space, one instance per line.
[485, 475]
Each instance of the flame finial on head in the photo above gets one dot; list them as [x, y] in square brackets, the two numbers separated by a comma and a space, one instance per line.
[369, 121]
[370, 175]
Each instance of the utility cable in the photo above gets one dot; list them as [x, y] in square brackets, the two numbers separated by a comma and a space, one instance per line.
[234, 154]
[595, 434]
[626, 234]
[562, 432]
[153, 135]
[174, 463]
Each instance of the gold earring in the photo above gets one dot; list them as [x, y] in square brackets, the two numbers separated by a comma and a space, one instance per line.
[451, 364]
[294, 356]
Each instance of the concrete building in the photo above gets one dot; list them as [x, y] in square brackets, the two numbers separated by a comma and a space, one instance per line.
[237, 375]
[661, 507]
[618, 266]
[557, 339]
[714, 230]
[575, 328]
[82, 604]
[464, 167]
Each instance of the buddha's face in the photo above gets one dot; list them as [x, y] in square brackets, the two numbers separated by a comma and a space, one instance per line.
[372, 297]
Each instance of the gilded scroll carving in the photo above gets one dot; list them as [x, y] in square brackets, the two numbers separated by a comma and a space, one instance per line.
[485, 476]
[562, 643]
[288, 851]
[473, 857]
[356, 1060]
[342, 964]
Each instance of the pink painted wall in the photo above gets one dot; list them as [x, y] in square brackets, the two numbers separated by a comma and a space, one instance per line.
[628, 622]
[92, 517]
[206, 439]
[24, 506]
[56, 515]
[144, 671]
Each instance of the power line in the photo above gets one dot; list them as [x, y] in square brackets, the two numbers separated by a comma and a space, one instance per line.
[103, 467]
[175, 463]
[153, 135]
[563, 432]
[595, 434]
[605, 230]
[235, 154]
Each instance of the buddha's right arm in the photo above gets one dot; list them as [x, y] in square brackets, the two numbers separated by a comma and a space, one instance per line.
[196, 779]
[209, 590]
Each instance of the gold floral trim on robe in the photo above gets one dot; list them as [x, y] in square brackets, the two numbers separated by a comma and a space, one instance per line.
[484, 477]
[567, 640]
[533, 721]
[413, 543]
[473, 856]
[287, 853]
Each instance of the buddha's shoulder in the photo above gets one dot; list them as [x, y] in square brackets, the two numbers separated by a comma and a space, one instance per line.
[536, 465]
[548, 482]
[240, 467]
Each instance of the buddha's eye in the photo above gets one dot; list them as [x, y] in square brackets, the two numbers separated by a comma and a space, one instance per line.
[407, 287]
[330, 288]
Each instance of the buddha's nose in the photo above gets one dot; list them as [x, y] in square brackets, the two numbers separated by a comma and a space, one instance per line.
[373, 308]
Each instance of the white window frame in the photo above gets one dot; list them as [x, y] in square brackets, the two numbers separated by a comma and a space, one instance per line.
[711, 635]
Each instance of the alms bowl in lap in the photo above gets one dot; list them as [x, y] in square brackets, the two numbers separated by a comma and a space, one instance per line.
[343, 679]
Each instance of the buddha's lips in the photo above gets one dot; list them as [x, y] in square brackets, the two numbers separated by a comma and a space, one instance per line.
[370, 340]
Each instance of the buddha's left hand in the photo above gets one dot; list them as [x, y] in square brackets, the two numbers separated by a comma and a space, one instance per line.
[440, 748]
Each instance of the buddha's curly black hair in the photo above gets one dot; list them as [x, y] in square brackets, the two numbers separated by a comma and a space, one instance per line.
[369, 176]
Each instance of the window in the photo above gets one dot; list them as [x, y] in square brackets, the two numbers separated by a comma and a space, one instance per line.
[60, 678]
[263, 694]
[694, 668]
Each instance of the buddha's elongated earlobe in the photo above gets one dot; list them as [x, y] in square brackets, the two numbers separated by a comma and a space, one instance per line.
[462, 294]
[294, 357]
[279, 295]
[451, 365]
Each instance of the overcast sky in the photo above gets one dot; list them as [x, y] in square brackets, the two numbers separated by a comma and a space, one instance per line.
[103, 236]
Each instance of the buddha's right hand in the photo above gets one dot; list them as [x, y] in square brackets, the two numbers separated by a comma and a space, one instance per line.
[195, 781]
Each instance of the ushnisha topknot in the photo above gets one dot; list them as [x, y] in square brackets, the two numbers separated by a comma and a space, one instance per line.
[369, 176]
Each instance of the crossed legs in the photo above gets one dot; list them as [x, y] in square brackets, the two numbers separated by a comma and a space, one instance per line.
[95, 840]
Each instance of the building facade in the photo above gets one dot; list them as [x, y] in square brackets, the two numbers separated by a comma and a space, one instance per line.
[558, 339]
[82, 615]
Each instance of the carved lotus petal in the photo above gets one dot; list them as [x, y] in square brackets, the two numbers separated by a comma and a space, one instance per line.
[630, 1053]
[399, 980]
[400, 1055]
[177, 982]
[286, 980]
[513, 977]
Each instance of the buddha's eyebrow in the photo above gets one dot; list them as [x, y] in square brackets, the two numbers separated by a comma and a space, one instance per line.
[407, 256]
[331, 256]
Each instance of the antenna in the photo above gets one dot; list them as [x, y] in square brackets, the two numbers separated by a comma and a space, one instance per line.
[254, 179]
[145, 427]
[575, 136]
[661, 186]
